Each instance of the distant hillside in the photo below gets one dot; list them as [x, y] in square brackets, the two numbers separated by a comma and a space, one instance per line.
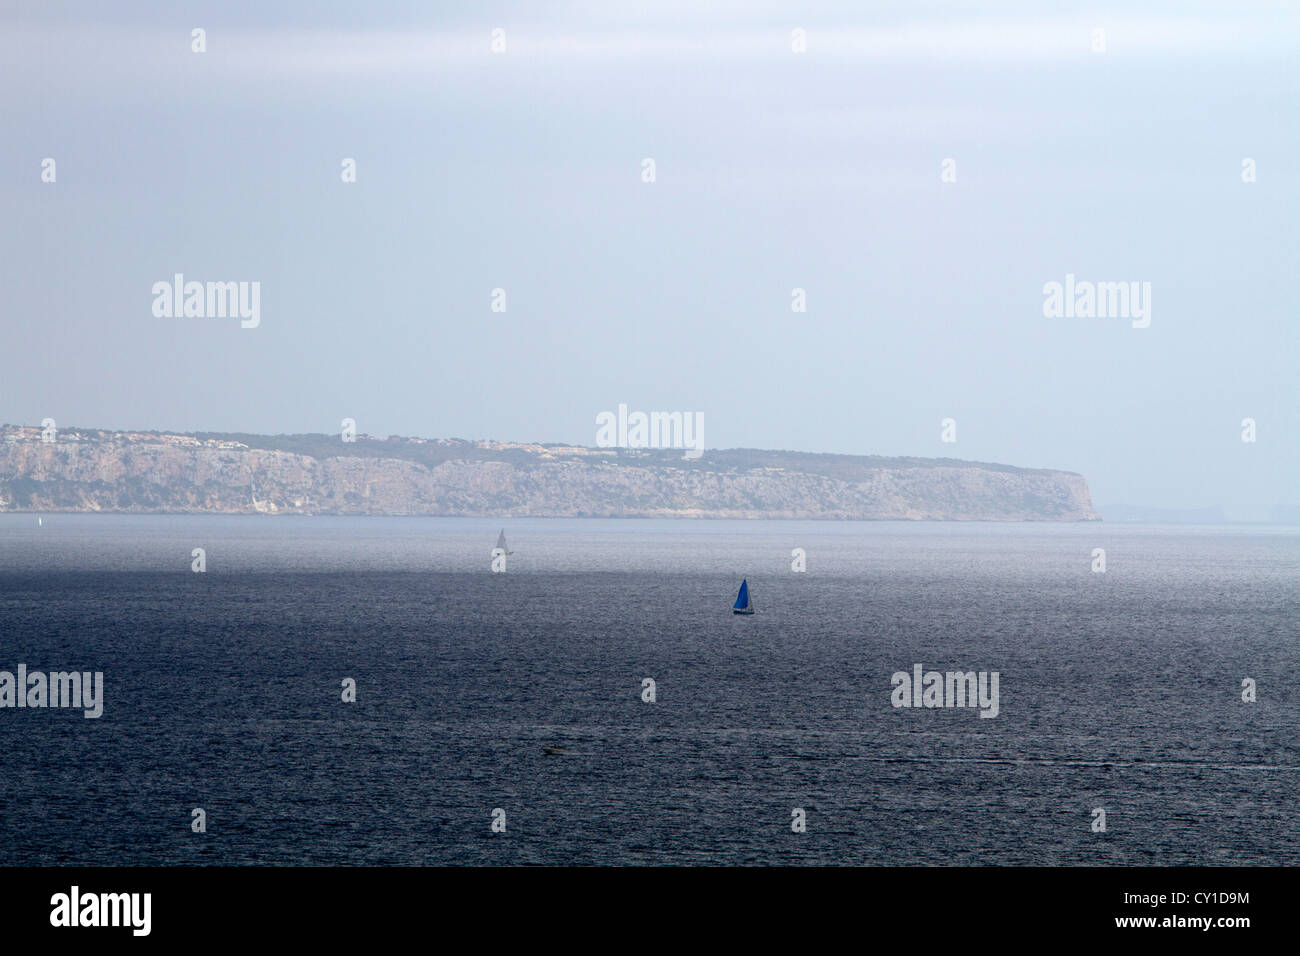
[435, 451]
[98, 470]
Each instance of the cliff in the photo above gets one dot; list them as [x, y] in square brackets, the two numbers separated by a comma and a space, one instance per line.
[95, 470]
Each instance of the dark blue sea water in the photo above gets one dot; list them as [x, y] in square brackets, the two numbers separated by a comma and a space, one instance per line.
[1119, 690]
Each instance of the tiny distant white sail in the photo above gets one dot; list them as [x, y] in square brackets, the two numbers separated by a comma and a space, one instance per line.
[501, 542]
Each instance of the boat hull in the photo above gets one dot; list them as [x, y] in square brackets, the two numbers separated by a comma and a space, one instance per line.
[736, 610]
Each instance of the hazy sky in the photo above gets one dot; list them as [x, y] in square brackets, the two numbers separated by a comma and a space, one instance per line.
[522, 170]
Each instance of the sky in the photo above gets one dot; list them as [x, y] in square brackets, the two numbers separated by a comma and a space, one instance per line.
[774, 170]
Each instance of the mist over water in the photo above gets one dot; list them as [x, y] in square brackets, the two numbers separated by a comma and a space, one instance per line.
[1119, 690]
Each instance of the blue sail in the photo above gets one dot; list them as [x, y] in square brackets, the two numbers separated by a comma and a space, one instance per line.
[742, 598]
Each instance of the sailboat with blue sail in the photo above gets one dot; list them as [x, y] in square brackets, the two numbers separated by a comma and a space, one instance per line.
[743, 605]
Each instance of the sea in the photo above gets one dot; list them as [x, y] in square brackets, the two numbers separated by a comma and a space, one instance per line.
[348, 690]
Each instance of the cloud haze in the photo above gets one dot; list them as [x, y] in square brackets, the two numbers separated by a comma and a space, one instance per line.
[775, 171]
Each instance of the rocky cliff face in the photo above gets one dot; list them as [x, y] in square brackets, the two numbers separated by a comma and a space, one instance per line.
[147, 472]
